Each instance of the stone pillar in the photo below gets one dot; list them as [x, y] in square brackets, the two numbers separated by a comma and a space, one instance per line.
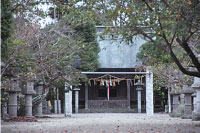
[188, 101]
[194, 102]
[39, 91]
[86, 96]
[55, 107]
[59, 106]
[128, 93]
[4, 111]
[12, 101]
[149, 93]
[55, 101]
[196, 86]
[139, 87]
[76, 99]
[68, 100]
[28, 98]
[198, 101]
[139, 100]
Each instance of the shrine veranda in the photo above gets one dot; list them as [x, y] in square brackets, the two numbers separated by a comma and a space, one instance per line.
[115, 92]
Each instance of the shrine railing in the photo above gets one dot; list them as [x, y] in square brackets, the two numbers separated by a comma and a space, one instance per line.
[107, 104]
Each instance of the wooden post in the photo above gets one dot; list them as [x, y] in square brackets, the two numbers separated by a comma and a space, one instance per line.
[128, 92]
[86, 96]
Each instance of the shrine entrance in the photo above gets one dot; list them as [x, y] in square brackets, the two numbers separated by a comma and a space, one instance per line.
[117, 91]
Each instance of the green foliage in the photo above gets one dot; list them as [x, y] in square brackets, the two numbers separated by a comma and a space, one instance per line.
[6, 26]
[152, 55]
[90, 49]
[174, 24]
[85, 28]
[163, 65]
[61, 8]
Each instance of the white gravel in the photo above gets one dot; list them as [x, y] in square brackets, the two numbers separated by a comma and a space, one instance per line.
[105, 123]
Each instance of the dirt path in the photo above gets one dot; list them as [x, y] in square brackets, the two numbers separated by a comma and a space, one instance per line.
[105, 123]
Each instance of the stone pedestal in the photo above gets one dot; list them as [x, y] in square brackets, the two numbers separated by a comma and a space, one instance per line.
[76, 99]
[178, 109]
[139, 87]
[45, 108]
[4, 111]
[39, 91]
[149, 93]
[12, 101]
[12, 104]
[188, 91]
[68, 101]
[194, 102]
[196, 86]
[175, 101]
[57, 106]
[28, 105]
[28, 98]
[182, 99]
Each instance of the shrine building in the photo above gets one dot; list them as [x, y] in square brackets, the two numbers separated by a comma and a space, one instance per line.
[116, 86]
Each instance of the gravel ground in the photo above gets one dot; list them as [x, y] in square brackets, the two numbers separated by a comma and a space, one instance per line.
[105, 123]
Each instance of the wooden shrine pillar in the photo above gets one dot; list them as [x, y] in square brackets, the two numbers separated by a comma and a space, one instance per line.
[128, 93]
[86, 95]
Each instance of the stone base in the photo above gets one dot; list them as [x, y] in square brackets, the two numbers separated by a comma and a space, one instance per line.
[175, 114]
[45, 108]
[29, 116]
[109, 110]
[186, 117]
[39, 116]
[68, 115]
[5, 116]
[179, 112]
[195, 116]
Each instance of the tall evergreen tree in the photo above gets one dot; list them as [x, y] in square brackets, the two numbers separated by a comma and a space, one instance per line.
[85, 28]
[89, 50]
[6, 26]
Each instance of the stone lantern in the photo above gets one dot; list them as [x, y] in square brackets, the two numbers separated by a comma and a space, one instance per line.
[188, 91]
[139, 86]
[39, 91]
[29, 92]
[196, 86]
[12, 102]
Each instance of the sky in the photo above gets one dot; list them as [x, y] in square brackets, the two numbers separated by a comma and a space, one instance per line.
[48, 20]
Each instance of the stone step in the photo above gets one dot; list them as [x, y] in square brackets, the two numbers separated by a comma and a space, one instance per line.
[106, 110]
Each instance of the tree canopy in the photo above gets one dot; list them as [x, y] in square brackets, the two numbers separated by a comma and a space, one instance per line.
[49, 53]
[167, 24]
